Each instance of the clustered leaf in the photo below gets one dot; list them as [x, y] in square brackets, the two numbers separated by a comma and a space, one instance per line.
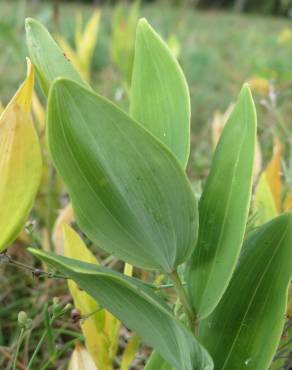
[131, 197]
[138, 307]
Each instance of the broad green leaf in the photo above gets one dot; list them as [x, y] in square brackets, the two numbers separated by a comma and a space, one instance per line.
[245, 328]
[20, 162]
[223, 208]
[81, 359]
[129, 193]
[49, 60]
[264, 205]
[159, 93]
[156, 362]
[135, 304]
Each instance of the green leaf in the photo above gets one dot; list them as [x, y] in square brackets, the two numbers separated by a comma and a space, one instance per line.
[156, 362]
[49, 60]
[223, 208]
[159, 93]
[135, 303]
[245, 328]
[129, 194]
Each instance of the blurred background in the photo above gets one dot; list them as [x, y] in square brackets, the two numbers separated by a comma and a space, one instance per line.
[219, 43]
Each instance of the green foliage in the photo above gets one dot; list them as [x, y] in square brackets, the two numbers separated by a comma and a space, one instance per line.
[223, 208]
[139, 308]
[131, 198]
[157, 362]
[245, 328]
[159, 93]
[51, 64]
[123, 177]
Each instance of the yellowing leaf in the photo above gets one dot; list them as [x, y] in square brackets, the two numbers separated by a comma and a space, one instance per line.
[38, 112]
[273, 173]
[65, 217]
[259, 85]
[130, 352]
[93, 327]
[288, 202]
[20, 162]
[81, 359]
[264, 203]
[85, 43]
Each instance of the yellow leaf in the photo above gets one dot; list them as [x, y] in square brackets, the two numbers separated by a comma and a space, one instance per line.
[260, 85]
[273, 172]
[85, 43]
[20, 162]
[81, 359]
[264, 205]
[94, 326]
[289, 304]
[38, 113]
[288, 202]
[130, 352]
[128, 269]
[65, 217]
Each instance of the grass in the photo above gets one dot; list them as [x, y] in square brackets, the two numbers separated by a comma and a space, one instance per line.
[219, 51]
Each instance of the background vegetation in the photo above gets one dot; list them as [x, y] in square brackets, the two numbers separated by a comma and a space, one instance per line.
[218, 51]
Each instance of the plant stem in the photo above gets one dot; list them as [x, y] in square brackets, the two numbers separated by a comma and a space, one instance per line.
[183, 298]
[19, 342]
[38, 347]
[6, 258]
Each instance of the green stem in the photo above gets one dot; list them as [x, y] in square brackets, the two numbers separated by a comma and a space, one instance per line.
[38, 347]
[19, 342]
[183, 298]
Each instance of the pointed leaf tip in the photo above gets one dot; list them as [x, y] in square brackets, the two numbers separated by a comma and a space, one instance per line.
[20, 161]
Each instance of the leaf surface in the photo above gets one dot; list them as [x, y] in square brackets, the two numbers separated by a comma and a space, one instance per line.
[159, 93]
[129, 193]
[156, 362]
[49, 60]
[223, 208]
[244, 330]
[134, 303]
[20, 162]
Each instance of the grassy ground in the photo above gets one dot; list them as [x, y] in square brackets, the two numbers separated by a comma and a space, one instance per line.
[219, 51]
